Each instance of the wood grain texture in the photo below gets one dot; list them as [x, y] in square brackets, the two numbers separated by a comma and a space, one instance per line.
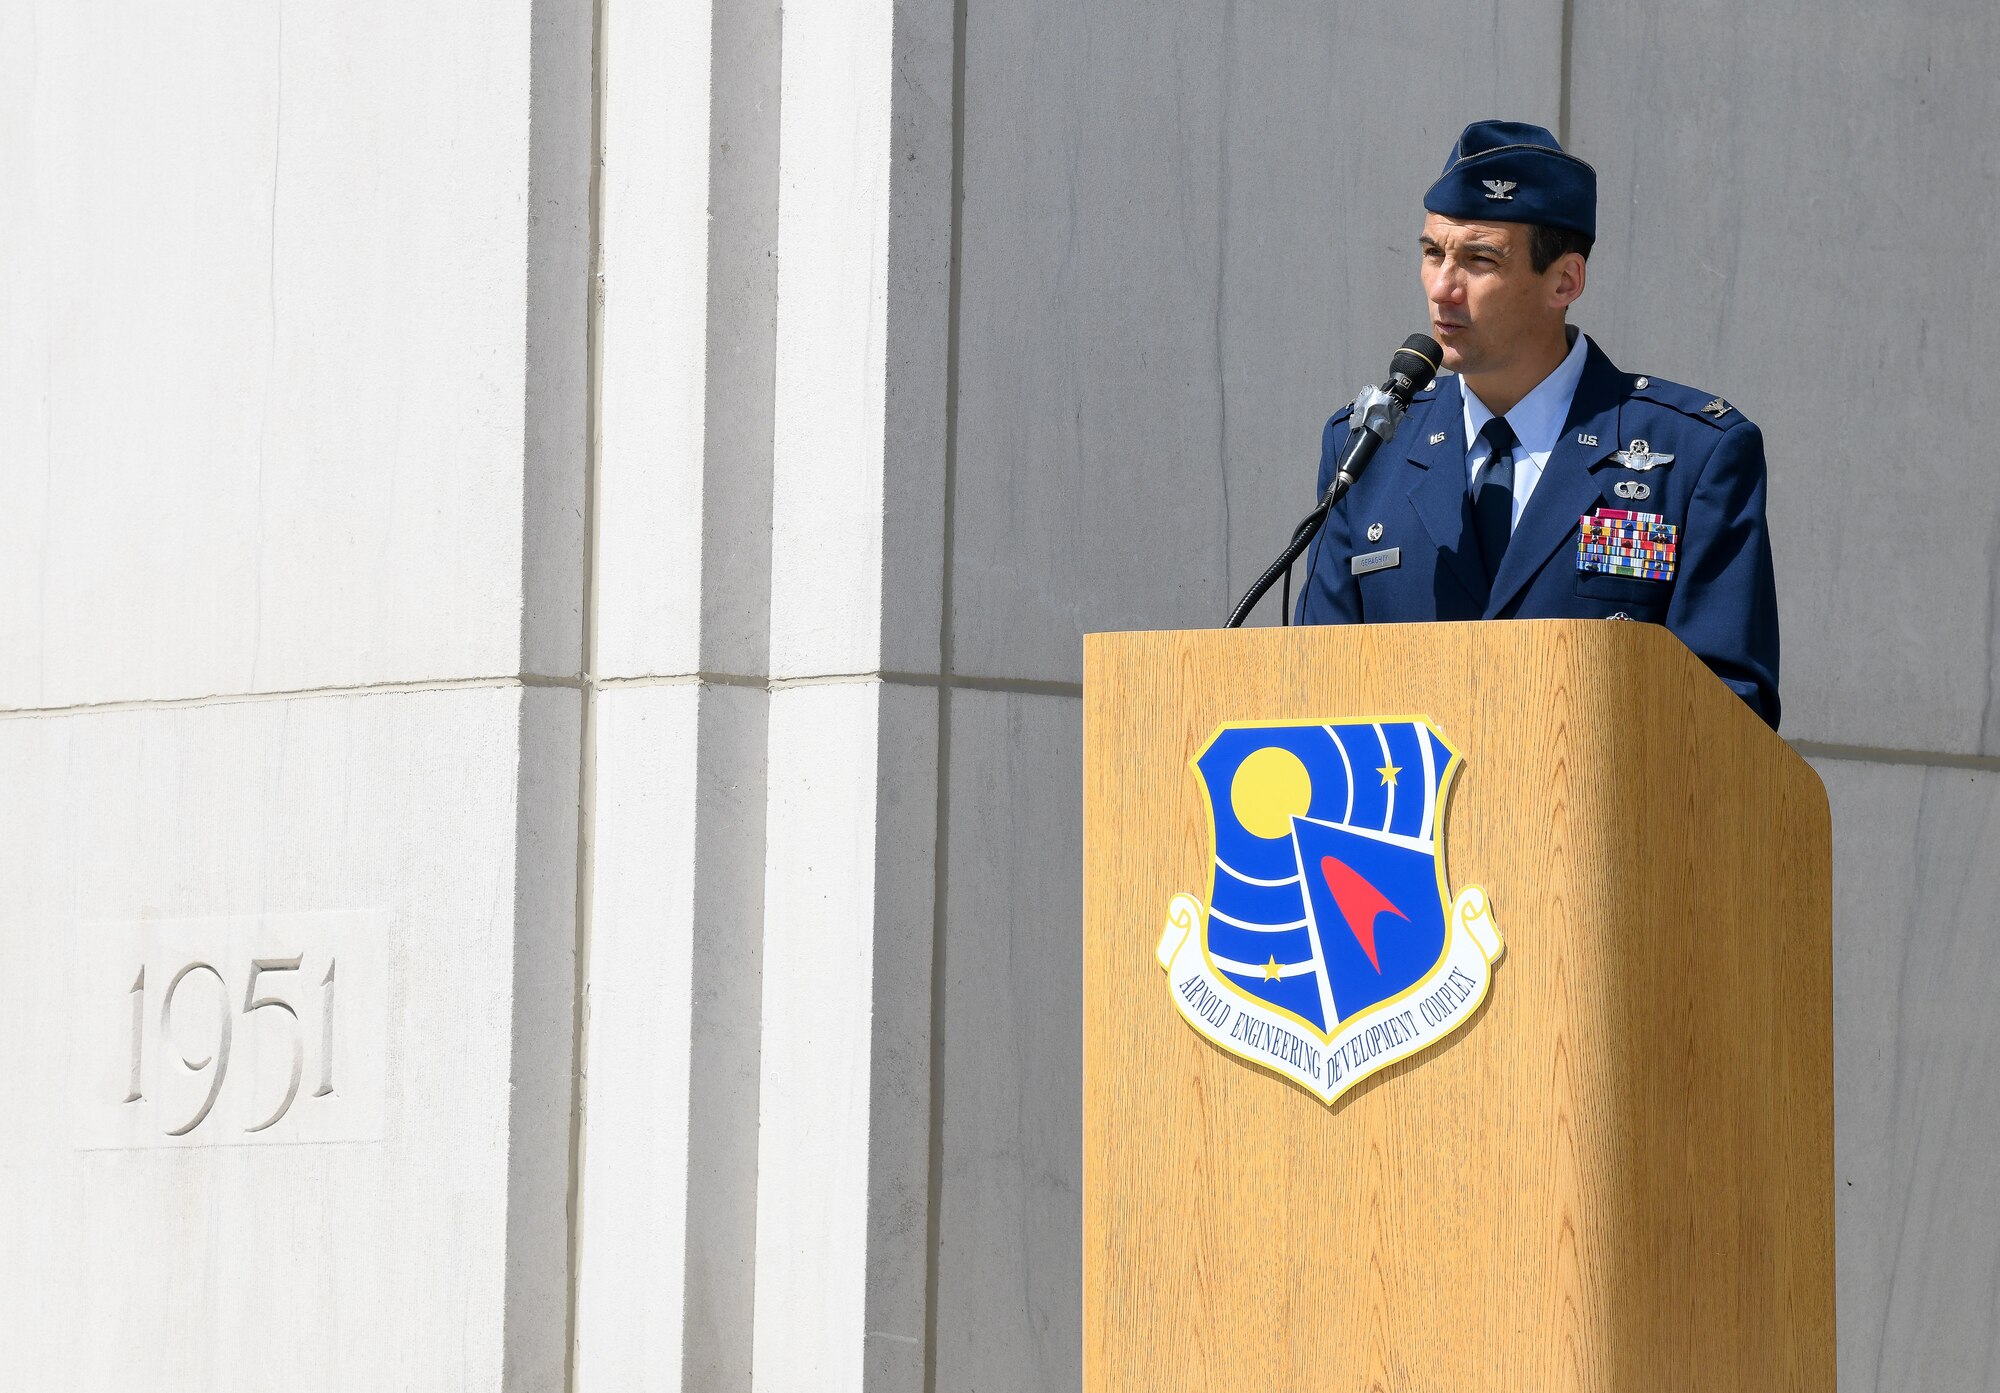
[1617, 1177]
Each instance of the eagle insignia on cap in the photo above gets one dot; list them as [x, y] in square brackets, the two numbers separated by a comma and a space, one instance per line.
[1521, 165]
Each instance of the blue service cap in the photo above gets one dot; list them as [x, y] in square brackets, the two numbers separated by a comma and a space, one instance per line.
[1510, 171]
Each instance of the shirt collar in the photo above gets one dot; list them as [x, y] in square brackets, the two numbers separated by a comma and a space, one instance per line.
[1539, 417]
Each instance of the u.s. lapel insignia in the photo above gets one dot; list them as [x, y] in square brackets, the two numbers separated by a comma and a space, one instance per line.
[1438, 439]
[1717, 408]
[1331, 945]
[1639, 455]
[1585, 439]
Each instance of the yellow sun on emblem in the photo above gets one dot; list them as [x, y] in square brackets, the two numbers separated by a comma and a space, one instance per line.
[1271, 788]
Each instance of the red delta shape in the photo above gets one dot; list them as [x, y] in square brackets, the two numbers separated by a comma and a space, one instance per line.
[1359, 903]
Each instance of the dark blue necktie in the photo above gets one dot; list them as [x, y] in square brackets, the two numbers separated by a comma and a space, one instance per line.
[1493, 494]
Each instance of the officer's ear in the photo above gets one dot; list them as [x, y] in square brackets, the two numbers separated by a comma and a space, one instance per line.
[1566, 279]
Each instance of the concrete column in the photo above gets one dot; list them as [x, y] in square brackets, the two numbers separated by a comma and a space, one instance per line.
[667, 1177]
[290, 614]
[844, 1139]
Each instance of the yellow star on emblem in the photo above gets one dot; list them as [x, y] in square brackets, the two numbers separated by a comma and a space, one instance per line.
[1389, 773]
[1272, 971]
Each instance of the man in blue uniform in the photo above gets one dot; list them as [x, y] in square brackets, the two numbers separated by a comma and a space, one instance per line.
[1542, 481]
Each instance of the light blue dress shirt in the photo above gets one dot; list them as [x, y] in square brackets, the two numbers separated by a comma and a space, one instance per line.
[1537, 419]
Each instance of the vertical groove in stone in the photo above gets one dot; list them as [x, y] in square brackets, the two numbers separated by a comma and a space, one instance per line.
[550, 927]
[742, 336]
[946, 668]
[541, 1099]
[732, 722]
[586, 810]
[725, 1046]
[559, 243]
[1563, 61]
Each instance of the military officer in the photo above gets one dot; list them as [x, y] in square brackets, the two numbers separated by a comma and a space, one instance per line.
[1541, 481]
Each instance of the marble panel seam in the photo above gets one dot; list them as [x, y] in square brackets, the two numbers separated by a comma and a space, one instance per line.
[441, 684]
[1874, 754]
[1031, 686]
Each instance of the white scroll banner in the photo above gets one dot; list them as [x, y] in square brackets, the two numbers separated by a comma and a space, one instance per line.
[1260, 1034]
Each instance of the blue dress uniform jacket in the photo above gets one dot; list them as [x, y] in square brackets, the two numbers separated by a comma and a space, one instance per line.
[1722, 601]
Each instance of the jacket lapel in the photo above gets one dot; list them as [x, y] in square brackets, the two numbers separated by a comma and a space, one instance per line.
[1438, 493]
[1567, 488]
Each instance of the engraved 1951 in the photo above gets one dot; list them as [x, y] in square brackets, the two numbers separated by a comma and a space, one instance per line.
[193, 1018]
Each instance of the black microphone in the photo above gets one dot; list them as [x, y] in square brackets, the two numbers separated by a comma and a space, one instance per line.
[1374, 418]
[1379, 410]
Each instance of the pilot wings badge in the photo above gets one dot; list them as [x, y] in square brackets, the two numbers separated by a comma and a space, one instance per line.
[1331, 945]
[1639, 455]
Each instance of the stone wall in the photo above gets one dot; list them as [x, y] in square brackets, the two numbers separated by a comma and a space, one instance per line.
[576, 523]
[293, 402]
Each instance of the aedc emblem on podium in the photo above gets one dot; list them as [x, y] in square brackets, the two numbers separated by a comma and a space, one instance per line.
[1331, 945]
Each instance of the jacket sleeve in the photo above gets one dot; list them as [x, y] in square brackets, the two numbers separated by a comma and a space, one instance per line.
[1329, 594]
[1725, 601]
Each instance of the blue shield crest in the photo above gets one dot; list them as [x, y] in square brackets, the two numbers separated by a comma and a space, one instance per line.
[1328, 944]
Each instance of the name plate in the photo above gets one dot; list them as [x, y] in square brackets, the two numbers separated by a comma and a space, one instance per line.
[1376, 561]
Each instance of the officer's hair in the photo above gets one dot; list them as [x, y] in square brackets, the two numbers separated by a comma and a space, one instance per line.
[1546, 245]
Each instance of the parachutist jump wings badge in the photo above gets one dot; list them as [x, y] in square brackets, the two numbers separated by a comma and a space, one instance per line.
[1331, 945]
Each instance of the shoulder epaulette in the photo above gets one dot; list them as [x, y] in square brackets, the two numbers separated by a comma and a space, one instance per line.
[1689, 401]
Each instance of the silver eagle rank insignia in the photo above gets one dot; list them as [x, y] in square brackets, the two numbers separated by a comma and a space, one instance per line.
[1717, 408]
[1500, 188]
[1639, 456]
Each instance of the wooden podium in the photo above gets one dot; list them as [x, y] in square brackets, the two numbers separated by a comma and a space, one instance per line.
[1618, 1177]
